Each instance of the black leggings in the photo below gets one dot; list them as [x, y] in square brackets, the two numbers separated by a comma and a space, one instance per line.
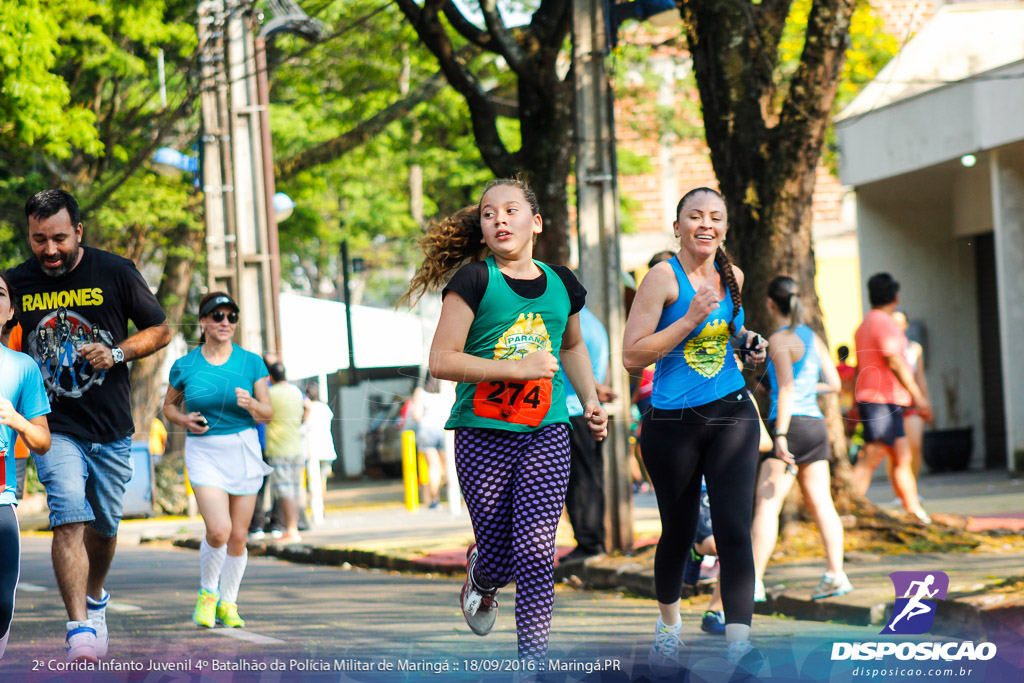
[719, 440]
[10, 565]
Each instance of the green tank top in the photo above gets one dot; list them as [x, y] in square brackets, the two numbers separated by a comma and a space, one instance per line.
[508, 326]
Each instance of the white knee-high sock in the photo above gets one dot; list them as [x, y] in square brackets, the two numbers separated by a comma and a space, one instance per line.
[736, 632]
[211, 560]
[231, 576]
[3, 643]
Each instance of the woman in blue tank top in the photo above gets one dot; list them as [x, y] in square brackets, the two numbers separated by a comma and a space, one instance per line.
[701, 421]
[795, 370]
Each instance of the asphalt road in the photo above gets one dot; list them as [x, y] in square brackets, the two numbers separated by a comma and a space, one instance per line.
[301, 619]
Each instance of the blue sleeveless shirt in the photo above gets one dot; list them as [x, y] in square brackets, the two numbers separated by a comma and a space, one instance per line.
[806, 372]
[702, 368]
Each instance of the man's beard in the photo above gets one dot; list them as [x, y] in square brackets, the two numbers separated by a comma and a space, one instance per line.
[67, 262]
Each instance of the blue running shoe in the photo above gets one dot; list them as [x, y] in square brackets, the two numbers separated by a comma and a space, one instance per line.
[713, 622]
[691, 567]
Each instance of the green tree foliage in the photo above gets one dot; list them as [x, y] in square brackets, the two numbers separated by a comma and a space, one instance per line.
[869, 50]
[81, 100]
[361, 191]
[35, 105]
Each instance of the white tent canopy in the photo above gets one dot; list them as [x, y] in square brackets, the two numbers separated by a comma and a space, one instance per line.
[315, 343]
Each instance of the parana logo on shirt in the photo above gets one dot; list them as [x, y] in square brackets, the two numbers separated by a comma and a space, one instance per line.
[706, 352]
[527, 334]
[74, 298]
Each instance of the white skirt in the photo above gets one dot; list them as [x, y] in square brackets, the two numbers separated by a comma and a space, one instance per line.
[231, 462]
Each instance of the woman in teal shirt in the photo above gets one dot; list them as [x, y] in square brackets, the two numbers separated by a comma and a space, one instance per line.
[224, 388]
[23, 410]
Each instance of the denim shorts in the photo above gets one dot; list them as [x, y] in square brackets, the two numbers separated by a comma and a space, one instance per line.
[85, 481]
[430, 437]
[882, 422]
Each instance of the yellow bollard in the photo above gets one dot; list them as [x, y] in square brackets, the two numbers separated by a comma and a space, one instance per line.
[193, 506]
[423, 468]
[412, 494]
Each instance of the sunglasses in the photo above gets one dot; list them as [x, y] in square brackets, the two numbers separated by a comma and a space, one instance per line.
[218, 316]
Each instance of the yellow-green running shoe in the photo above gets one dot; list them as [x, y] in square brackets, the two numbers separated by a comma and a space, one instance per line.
[227, 614]
[206, 609]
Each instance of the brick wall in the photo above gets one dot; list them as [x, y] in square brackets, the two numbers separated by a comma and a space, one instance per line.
[686, 163]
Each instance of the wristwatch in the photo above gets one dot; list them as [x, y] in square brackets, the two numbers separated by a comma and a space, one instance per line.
[117, 354]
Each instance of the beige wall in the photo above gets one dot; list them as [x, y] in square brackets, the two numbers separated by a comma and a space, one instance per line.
[906, 226]
[1006, 166]
[839, 289]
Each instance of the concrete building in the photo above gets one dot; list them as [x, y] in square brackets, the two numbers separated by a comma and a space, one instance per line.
[934, 148]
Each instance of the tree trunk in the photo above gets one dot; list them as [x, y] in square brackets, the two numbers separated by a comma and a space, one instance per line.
[172, 294]
[766, 156]
[545, 100]
[546, 121]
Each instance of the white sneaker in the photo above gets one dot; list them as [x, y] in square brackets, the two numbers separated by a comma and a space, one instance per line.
[831, 586]
[759, 594]
[709, 571]
[80, 643]
[664, 655]
[478, 606]
[745, 656]
[96, 612]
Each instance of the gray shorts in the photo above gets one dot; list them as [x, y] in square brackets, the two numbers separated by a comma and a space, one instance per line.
[286, 479]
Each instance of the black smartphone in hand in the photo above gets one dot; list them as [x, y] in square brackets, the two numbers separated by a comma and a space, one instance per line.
[750, 347]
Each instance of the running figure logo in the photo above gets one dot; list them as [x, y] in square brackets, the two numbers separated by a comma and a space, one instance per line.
[913, 612]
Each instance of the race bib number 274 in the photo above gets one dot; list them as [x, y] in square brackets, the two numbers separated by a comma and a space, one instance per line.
[524, 403]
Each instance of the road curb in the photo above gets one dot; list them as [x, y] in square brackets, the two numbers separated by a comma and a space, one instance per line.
[333, 557]
[957, 616]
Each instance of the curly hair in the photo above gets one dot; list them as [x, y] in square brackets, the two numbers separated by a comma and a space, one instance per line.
[455, 240]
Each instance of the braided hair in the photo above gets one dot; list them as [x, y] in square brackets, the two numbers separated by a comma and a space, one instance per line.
[455, 240]
[721, 259]
[729, 278]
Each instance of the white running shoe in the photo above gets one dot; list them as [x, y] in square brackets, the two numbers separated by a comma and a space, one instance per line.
[96, 612]
[478, 606]
[80, 643]
[745, 656]
[759, 594]
[831, 586]
[664, 655]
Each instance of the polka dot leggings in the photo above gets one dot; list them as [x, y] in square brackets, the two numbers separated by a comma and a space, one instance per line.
[514, 485]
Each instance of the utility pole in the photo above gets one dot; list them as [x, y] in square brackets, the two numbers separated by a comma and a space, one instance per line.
[237, 164]
[237, 239]
[598, 234]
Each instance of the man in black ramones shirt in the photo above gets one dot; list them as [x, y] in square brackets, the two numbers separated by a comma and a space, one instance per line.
[75, 304]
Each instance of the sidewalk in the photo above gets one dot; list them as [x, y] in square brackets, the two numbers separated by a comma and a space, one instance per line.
[367, 525]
